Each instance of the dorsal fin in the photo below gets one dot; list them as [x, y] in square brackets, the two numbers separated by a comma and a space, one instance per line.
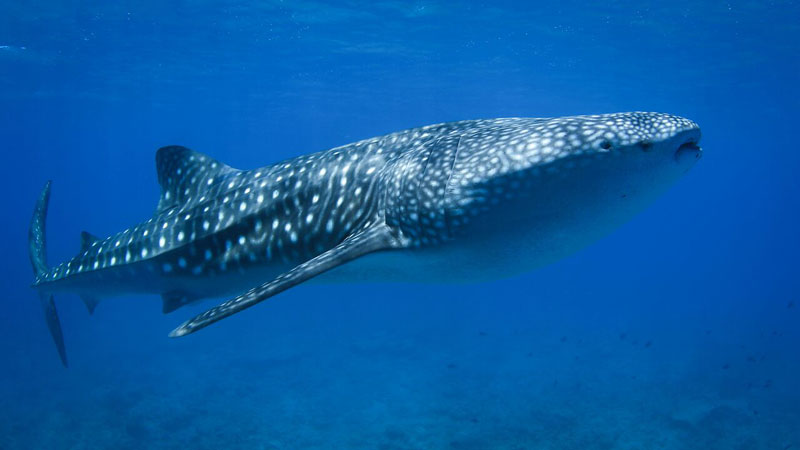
[184, 175]
[87, 239]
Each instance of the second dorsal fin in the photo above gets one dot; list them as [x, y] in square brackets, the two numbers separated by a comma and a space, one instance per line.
[185, 175]
[87, 239]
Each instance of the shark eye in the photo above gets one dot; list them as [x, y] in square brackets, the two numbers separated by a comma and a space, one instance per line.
[605, 145]
[646, 146]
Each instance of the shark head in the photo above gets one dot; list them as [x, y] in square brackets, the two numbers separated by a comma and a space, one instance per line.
[547, 187]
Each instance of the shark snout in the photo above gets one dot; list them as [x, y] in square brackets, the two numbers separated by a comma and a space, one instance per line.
[688, 150]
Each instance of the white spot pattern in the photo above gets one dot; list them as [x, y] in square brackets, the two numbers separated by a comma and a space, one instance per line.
[422, 182]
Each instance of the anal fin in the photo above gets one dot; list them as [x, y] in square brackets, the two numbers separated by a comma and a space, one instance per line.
[371, 239]
[90, 302]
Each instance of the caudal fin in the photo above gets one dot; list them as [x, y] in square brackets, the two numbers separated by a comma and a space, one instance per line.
[38, 253]
[51, 317]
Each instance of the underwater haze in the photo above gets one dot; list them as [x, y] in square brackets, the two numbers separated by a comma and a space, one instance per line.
[680, 330]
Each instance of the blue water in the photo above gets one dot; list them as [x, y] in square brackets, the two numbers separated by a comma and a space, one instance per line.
[681, 330]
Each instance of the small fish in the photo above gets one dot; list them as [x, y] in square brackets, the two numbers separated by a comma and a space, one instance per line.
[790, 305]
[648, 344]
[726, 366]
[563, 339]
[622, 336]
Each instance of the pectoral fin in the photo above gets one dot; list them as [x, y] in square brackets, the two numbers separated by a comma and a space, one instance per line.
[377, 237]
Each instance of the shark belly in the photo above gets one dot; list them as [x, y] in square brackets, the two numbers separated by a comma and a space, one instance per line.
[558, 218]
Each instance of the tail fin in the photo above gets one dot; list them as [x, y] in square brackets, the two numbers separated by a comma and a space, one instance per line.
[37, 247]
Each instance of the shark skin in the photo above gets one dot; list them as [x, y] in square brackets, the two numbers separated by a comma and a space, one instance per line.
[454, 202]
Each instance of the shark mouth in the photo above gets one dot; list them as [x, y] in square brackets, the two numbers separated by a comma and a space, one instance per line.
[688, 151]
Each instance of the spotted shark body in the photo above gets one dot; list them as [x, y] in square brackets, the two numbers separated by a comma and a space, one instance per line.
[461, 201]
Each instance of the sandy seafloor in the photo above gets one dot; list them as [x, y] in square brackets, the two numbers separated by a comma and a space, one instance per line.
[430, 373]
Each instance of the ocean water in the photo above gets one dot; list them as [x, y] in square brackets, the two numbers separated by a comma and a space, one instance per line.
[681, 330]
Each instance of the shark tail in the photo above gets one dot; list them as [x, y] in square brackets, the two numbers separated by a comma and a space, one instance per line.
[38, 253]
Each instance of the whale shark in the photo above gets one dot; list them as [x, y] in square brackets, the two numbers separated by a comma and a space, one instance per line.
[454, 202]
